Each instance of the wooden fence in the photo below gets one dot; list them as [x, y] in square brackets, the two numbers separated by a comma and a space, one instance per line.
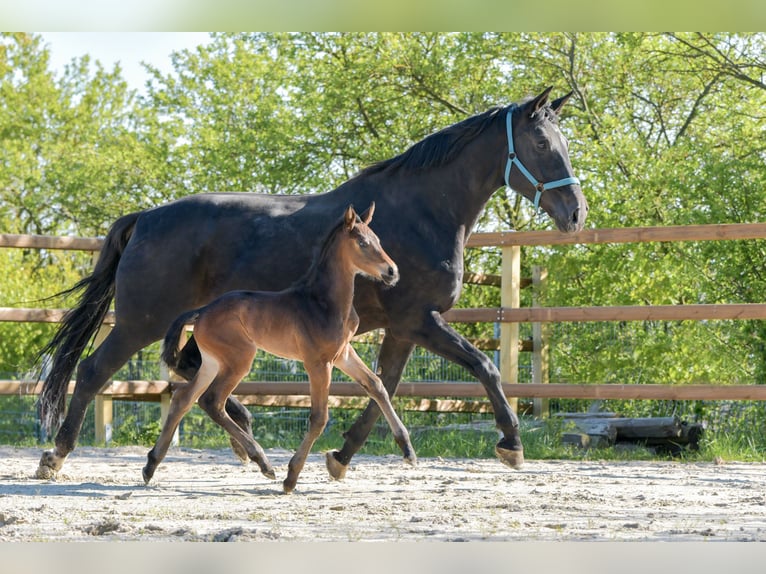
[508, 315]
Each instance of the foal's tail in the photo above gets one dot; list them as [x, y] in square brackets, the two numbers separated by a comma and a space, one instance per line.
[80, 323]
[174, 357]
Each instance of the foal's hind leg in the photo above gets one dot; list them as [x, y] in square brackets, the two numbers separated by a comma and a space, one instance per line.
[183, 400]
[213, 402]
[353, 366]
[189, 362]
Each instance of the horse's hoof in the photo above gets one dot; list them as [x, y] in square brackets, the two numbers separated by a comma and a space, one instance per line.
[334, 467]
[412, 460]
[49, 465]
[240, 451]
[287, 488]
[45, 472]
[512, 458]
[146, 475]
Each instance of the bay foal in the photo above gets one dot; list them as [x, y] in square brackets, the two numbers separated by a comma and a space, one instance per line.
[313, 321]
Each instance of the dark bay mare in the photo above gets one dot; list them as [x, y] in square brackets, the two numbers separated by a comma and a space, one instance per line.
[159, 263]
[312, 321]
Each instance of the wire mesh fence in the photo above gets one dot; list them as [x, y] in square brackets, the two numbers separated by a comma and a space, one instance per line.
[139, 422]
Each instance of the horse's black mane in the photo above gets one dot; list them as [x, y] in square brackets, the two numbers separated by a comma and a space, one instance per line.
[438, 148]
[441, 147]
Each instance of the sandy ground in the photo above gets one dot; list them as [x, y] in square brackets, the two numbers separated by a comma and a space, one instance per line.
[209, 496]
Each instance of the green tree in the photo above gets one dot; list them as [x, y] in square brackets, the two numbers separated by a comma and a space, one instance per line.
[664, 129]
[76, 151]
[662, 137]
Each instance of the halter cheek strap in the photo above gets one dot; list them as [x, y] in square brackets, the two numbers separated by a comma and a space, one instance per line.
[513, 159]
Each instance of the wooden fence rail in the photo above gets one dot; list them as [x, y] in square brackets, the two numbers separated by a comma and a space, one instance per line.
[709, 232]
[262, 392]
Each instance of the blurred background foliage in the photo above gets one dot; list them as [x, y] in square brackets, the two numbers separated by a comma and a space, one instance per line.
[664, 129]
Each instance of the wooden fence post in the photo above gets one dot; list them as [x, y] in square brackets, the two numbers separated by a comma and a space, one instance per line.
[540, 349]
[103, 407]
[510, 296]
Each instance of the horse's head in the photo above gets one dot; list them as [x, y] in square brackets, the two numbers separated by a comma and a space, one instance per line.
[538, 164]
[364, 251]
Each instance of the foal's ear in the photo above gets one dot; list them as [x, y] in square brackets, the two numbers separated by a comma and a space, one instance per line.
[367, 215]
[557, 104]
[349, 218]
[539, 102]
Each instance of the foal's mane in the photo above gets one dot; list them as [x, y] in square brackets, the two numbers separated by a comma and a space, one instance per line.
[438, 148]
[321, 250]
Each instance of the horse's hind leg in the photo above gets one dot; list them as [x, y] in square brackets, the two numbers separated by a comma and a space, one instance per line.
[353, 366]
[392, 359]
[92, 373]
[319, 384]
[183, 400]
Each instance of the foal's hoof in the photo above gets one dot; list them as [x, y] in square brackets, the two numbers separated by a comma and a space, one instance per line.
[512, 458]
[147, 475]
[287, 487]
[412, 460]
[269, 473]
[334, 466]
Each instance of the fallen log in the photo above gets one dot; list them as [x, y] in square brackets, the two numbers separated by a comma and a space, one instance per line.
[600, 429]
[647, 427]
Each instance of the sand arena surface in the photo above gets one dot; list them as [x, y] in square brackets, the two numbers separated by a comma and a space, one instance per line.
[205, 495]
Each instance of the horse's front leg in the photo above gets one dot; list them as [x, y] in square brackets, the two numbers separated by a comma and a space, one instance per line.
[437, 336]
[319, 385]
[354, 367]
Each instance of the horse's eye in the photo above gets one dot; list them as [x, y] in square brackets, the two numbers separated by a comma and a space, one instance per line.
[364, 244]
[542, 145]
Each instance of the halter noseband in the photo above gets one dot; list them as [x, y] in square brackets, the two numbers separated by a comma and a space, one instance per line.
[513, 159]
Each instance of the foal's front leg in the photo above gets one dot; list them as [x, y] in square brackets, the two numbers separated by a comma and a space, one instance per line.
[319, 385]
[351, 364]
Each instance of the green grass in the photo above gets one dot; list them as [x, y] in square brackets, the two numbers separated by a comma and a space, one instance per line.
[542, 441]
[735, 436]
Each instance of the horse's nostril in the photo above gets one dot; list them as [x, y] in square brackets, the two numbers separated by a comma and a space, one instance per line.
[575, 215]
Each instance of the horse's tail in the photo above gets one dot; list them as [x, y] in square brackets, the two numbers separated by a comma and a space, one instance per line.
[174, 357]
[80, 323]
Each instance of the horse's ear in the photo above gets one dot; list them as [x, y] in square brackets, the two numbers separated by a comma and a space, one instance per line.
[557, 104]
[367, 215]
[349, 218]
[539, 102]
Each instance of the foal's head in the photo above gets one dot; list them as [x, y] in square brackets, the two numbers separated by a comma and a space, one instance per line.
[362, 247]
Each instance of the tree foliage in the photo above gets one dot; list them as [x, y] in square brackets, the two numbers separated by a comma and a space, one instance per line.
[665, 129]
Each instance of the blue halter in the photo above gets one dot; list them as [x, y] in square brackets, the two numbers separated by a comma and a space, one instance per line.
[513, 159]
